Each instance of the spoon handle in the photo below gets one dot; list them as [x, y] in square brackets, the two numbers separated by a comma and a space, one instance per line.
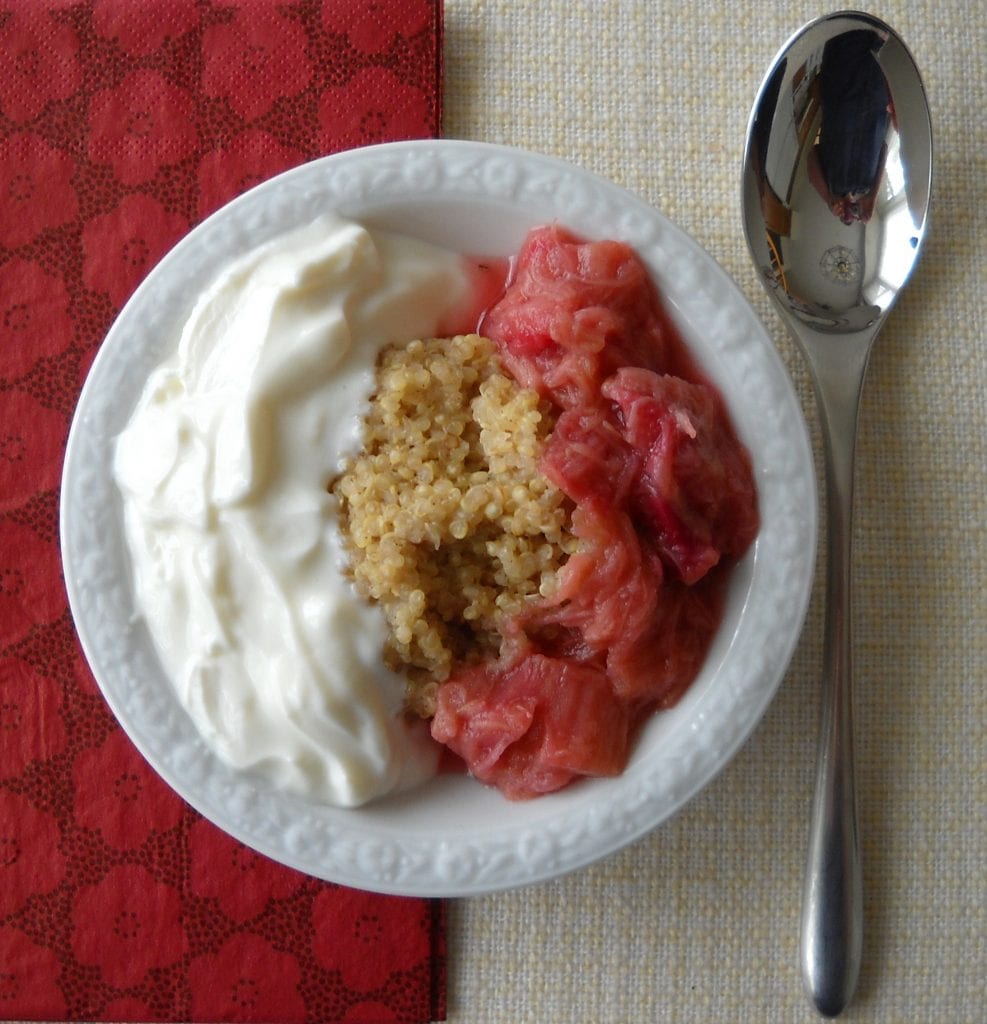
[832, 916]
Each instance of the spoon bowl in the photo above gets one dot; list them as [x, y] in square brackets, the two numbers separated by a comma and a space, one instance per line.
[837, 178]
[838, 270]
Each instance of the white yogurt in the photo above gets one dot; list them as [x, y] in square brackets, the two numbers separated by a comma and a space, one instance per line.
[237, 555]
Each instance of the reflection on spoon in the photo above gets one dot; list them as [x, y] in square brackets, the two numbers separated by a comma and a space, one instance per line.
[847, 162]
[838, 190]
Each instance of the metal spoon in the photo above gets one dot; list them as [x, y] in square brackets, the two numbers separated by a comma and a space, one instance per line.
[836, 183]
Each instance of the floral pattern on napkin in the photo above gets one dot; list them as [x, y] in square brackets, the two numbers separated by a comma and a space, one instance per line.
[123, 124]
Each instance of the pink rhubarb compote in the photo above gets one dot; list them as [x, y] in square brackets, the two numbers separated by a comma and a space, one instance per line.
[664, 503]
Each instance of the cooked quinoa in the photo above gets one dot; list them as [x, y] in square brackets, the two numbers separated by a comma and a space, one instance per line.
[449, 522]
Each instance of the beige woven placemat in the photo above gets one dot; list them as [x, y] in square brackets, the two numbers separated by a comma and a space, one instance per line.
[699, 921]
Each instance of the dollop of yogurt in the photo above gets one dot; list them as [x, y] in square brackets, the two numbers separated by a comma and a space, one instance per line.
[237, 554]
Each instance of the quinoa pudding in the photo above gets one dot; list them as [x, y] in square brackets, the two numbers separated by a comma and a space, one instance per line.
[451, 524]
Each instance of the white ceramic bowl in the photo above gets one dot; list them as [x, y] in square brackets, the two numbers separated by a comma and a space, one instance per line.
[453, 836]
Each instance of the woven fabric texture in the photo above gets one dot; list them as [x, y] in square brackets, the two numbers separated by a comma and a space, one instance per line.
[698, 922]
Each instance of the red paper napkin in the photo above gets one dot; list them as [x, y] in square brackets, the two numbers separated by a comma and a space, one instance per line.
[123, 123]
